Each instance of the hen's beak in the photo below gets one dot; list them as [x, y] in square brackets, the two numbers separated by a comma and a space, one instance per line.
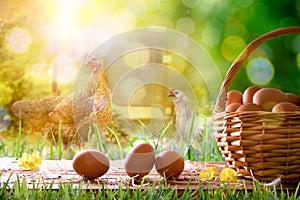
[171, 94]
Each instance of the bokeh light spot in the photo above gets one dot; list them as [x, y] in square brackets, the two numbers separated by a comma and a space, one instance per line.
[210, 36]
[260, 71]
[4, 119]
[18, 40]
[185, 25]
[63, 69]
[232, 47]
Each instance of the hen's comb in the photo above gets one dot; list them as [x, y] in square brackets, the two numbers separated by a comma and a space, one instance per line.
[171, 94]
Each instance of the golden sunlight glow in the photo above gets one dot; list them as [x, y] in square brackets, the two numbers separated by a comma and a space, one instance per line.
[18, 40]
[124, 21]
[63, 69]
[64, 22]
[38, 71]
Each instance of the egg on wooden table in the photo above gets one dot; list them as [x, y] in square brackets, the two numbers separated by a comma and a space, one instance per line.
[285, 107]
[234, 96]
[249, 93]
[90, 163]
[140, 161]
[266, 98]
[169, 164]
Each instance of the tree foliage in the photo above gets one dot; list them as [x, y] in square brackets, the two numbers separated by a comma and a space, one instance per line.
[211, 23]
[14, 83]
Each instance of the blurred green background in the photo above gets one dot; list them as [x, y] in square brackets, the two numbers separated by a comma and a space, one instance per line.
[43, 43]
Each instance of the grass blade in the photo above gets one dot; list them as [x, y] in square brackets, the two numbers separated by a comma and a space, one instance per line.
[99, 141]
[118, 141]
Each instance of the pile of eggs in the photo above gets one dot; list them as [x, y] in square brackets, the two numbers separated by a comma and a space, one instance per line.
[256, 98]
[139, 162]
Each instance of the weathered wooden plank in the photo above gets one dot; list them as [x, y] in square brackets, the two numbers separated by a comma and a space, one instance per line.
[56, 172]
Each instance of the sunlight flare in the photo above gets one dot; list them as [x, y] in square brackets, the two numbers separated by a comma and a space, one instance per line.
[63, 69]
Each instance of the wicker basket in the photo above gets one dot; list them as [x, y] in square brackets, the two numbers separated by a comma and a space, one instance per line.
[264, 143]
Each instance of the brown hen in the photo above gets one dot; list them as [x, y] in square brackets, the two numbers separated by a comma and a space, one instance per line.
[77, 115]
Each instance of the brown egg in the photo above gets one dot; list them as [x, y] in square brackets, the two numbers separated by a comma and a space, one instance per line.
[90, 164]
[140, 161]
[248, 94]
[169, 164]
[234, 96]
[293, 98]
[248, 107]
[232, 107]
[285, 106]
[266, 98]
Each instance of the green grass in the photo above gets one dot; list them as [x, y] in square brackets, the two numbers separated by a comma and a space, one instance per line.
[207, 151]
[20, 190]
[55, 150]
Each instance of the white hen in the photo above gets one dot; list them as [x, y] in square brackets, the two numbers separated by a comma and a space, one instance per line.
[187, 122]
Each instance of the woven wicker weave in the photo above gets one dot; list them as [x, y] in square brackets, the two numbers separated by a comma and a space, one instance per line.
[266, 143]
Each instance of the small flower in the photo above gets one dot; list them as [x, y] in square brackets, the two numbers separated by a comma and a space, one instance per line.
[30, 161]
[228, 174]
[208, 174]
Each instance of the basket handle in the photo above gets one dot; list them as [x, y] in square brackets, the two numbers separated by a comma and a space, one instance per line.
[239, 61]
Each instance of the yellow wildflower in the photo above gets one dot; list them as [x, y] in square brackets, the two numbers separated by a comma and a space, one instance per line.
[208, 174]
[30, 161]
[228, 174]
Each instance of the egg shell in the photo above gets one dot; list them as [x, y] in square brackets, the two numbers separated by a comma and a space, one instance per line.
[90, 163]
[293, 98]
[266, 98]
[140, 161]
[232, 107]
[285, 107]
[234, 96]
[249, 93]
[248, 107]
[169, 164]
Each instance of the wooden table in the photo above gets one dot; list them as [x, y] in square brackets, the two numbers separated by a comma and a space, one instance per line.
[57, 172]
